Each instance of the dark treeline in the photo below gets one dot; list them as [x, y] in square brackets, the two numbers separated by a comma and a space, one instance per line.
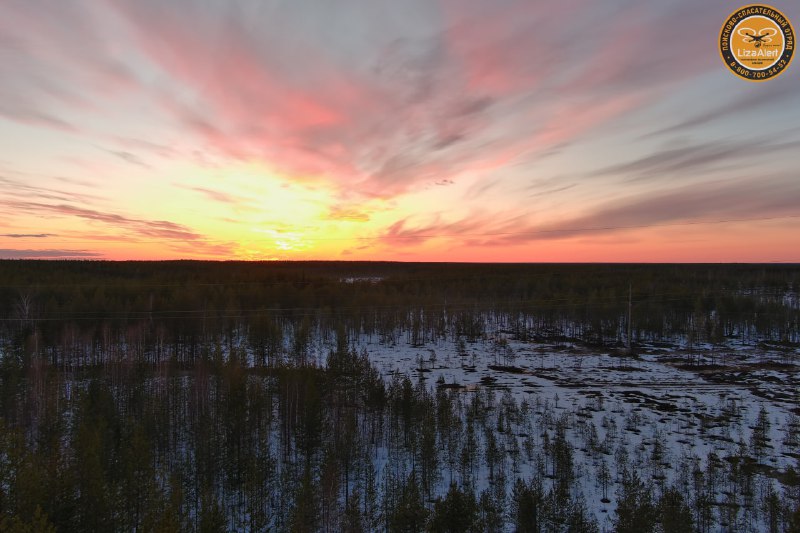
[78, 313]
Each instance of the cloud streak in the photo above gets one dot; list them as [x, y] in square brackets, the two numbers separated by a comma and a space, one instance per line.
[771, 95]
[149, 228]
[216, 195]
[693, 204]
[712, 203]
[7, 253]
[26, 235]
[17, 189]
[676, 162]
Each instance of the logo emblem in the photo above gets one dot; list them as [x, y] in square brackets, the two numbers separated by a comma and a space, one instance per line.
[757, 42]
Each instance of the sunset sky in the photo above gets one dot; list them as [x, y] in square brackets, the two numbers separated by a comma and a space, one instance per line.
[413, 130]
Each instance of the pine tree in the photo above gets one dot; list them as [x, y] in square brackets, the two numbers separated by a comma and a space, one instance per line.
[305, 513]
[212, 518]
[772, 509]
[635, 510]
[138, 484]
[455, 513]
[490, 516]
[760, 437]
[675, 515]
[579, 520]
[604, 478]
[528, 506]
[794, 521]
[39, 523]
[353, 521]
[409, 514]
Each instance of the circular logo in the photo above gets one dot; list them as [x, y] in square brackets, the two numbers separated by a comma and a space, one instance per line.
[757, 42]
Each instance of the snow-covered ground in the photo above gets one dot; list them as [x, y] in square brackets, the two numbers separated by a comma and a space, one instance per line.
[666, 414]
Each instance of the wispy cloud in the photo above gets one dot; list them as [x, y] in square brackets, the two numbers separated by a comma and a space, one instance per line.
[26, 235]
[151, 228]
[692, 204]
[216, 195]
[219, 250]
[407, 233]
[674, 162]
[748, 102]
[710, 203]
[129, 157]
[348, 213]
[60, 61]
[133, 144]
[34, 117]
[8, 253]
[18, 189]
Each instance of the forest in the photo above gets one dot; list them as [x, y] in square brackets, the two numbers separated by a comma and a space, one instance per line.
[336, 396]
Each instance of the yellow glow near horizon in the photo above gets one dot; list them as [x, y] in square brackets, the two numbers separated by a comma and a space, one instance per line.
[263, 214]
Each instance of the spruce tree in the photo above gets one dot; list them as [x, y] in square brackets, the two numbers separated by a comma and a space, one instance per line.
[635, 510]
[456, 512]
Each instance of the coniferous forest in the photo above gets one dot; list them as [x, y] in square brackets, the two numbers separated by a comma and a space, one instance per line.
[325, 396]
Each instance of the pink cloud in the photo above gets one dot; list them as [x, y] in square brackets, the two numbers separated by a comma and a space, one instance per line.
[247, 103]
[510, 47]
[369, 134]
[569, 121]
[489, 83]
[404, 233]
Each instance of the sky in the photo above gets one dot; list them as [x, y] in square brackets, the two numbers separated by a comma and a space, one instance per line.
[413, 130]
